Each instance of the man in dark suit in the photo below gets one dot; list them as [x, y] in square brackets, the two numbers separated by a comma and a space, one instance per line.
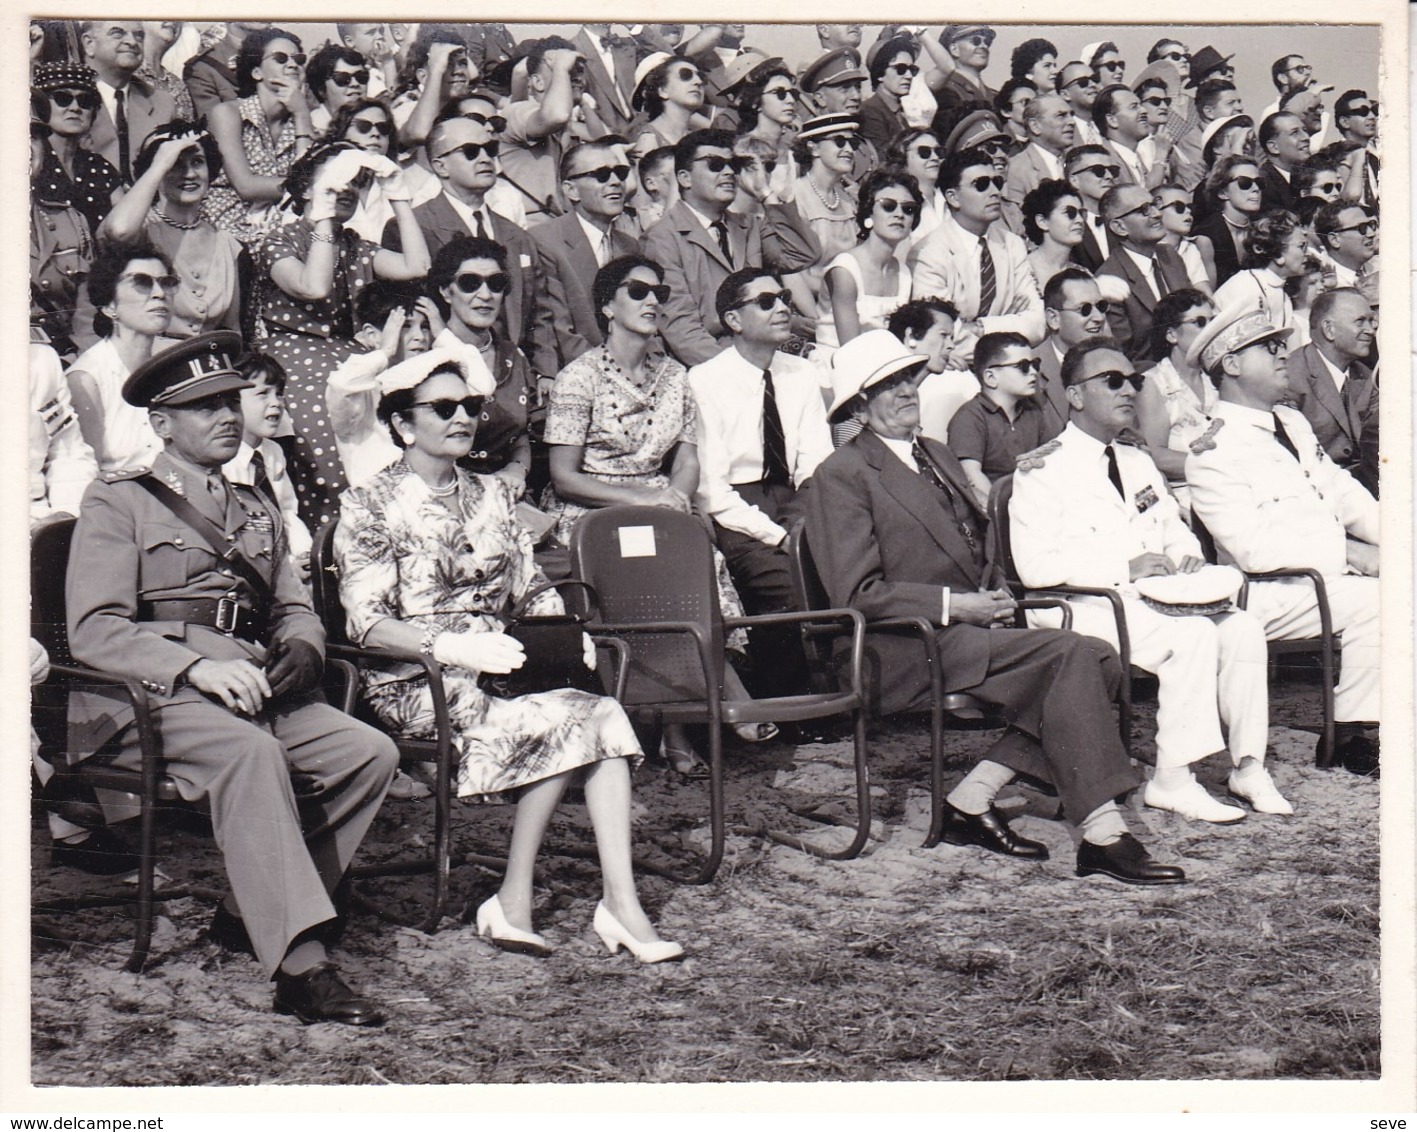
[461, 153]
[131, 108]
[575, 246]
[698, 242]
[1149, 269]
[181, 580]
[1285, 143]
[609, 74]
[895, 532]
[1091, 170]
[1075, 311]
[1331, 386]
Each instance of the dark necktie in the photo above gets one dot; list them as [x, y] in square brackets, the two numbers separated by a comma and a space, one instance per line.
[720, 233]
[481, 227]
[1283, 437]
[774, 441]
[120, 126]
[958, 509]
[1113, 473]
[988, 283]
[1157, 278]
[260, 478]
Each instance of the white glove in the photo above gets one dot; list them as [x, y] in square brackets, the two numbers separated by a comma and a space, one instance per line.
[391, 178]
[588, 653]
[495, 653]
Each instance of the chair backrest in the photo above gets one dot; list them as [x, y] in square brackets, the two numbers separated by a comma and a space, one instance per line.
[999, 495]
[653, 564]
[49, 562]
[809, 594]
[324, 585]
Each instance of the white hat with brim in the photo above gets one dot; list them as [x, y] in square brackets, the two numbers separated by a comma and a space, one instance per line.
[1162, 69]
[643, 71]
[1223, 124]
[1229, 332]
[414, 371]
[867, 360]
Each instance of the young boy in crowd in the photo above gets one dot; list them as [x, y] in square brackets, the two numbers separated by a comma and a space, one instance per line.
[259, 462]
[1002, 421]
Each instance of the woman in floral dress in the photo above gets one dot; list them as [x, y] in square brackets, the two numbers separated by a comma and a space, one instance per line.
[310, 275]
[617, 414]
[430, 559]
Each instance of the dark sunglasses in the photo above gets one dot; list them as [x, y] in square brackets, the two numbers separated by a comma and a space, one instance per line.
[281, 59]
[1272, 346]
[1147, 208]
[1245, 183]
[345, 78]
[925, 152]
[1326, 187]
[887, 205]
[769, 164]
[1071, 211]
[473, 150]
[1199, 322]
[1360, 111]
[904, 69]
[1102, 306]
[1367, 227]
[1115, 379]
[1025, 366]
[639, 290]
[496, 123]
[1099, 170]
[845, 141]
[1081, 80]
[469, 282]
[766, 301]
[86, 100]
[445, 407]
[979, 39]
[687, 74]
[786, 93]
[1113, 65]
[1178, 56]
[717, 164]
[1179, 207]
[1157, 100]
[144, 283]
[364, 127]
[603, 174]
[979, 184]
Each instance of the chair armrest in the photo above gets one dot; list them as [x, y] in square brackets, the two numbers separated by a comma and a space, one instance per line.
[854, 616]
[622, 661]
[1044, 603]
[1320, 590]
[432, 670]
[1119, 613]
[712, 676]
[142, 715]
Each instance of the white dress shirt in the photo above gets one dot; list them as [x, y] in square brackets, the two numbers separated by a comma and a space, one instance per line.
[238, 470]
[599, 241]
[468, 215]
[728, 392]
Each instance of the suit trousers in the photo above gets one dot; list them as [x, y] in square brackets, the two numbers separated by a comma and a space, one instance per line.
[291, 795]
[1290, 612]
[1056, 690]
[1211, 671]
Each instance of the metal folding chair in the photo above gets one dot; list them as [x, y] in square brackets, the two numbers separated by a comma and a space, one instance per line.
[654, 571]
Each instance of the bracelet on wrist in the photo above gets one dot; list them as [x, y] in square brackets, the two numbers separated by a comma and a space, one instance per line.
[322, 237]
[426, 645]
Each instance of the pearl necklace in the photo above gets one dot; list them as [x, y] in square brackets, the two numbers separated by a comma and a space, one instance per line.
[443, 492]
[830, 205]
[175, 223]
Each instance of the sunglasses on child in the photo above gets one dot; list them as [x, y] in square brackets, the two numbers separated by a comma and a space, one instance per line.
[639, 290]
[766, 301]
[470, 282]
[603, 173]
[144, 283]
[86, 100]
[1115, 379]
[1179, 207]
[345, 78]
[364, 127]
[446, 407]
[473, 150]
[1025, 366]
[283, 59]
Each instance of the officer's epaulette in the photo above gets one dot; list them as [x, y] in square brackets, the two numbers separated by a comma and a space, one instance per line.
[1030, 460]
[124, 474]
[1206, 440]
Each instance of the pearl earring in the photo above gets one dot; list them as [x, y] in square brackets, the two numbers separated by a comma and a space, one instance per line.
[869, 223]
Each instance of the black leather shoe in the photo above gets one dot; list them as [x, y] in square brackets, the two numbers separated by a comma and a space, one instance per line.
[990, 831]
[1357, 753]
[1128, 861]
[229, 930]
[101, 853]
[320, 995]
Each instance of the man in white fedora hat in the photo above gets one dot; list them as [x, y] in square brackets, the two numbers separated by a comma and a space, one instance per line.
[895, 532]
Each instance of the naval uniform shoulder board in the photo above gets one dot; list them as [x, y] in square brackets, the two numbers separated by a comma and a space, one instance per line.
[1028, 461]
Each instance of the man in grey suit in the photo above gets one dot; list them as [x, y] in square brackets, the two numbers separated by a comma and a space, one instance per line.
[573, 247]
[698, 242]
[1331, 386]
[461, 153]
[609, 74]
[1051, 129]
[131, 108]
[895, 532]
[1149, 269]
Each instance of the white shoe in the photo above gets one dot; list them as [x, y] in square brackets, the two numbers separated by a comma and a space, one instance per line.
[1191, 801]
[492, 924]
[614, 934]
[1256, 787]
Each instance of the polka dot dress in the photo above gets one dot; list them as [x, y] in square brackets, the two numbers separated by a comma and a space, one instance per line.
[310, 338]
[90, 189]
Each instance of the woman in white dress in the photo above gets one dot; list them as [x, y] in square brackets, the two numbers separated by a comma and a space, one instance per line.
[1276, 250]
[1176, 400]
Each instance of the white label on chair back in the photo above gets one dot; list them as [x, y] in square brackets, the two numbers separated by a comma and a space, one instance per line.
[636, 542]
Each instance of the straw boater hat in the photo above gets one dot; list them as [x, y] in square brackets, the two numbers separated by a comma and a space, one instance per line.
[867, 360]
[191, 371]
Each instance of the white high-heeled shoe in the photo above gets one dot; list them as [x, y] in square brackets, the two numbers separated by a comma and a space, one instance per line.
[492, 925]
[614, 934]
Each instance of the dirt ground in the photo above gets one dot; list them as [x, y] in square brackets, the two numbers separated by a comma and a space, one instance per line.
[945, 964]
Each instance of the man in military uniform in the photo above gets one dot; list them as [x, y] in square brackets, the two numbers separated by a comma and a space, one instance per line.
[181, 579]
[1269, 494]
[1091, 510]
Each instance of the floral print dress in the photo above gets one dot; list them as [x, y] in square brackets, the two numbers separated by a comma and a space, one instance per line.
[406, 555]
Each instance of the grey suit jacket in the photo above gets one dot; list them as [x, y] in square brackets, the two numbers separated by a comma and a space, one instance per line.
[1026, 172]
[568, 267]
[1131, 322]
[1337, 420]
[147, 109]
[611, 92]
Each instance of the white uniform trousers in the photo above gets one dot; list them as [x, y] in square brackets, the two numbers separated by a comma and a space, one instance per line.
[1290, 612]
[1212, 671]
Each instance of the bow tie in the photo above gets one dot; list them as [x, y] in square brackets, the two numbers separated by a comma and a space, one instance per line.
[613, 41]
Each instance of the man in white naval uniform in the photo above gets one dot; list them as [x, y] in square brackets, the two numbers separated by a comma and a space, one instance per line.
[1090, 510]
[1268, 493]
